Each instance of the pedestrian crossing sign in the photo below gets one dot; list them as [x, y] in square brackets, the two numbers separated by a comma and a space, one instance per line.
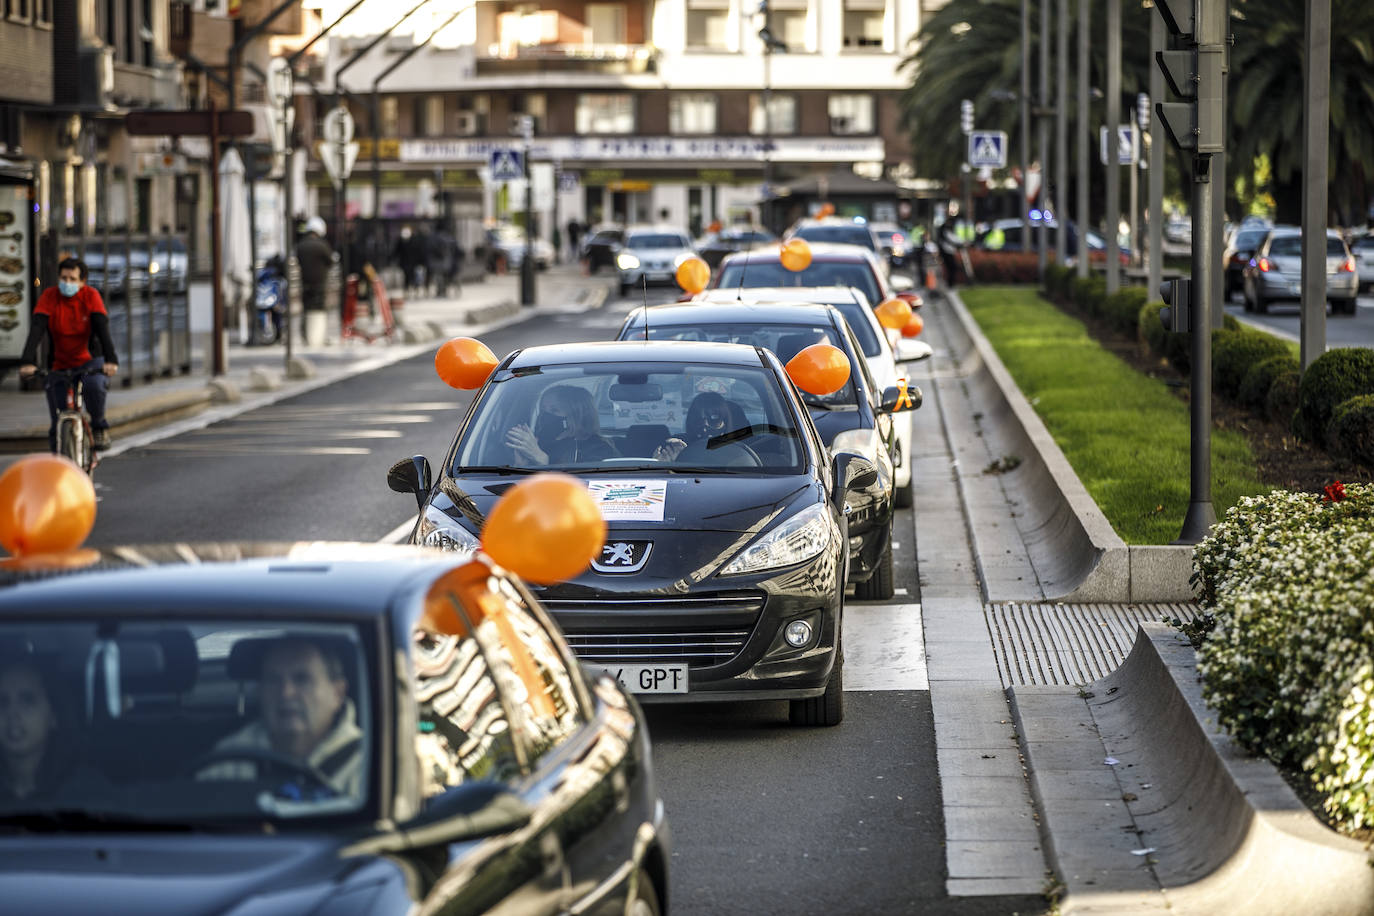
[987, 149]
[507, 164]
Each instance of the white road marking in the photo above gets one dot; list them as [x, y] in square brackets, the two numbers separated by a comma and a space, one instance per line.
[884, 647]
[219, 449]
[400, 532]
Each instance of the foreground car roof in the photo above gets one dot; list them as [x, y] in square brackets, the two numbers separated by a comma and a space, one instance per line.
[799, 312]
[619, 351]
[805, 294]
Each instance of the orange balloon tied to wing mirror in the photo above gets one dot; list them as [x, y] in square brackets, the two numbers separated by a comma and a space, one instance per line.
[693, 274]
[795, 255]
[819, 369]
[47, 505]
[464, 363]
[914, 326]
[546, 529]
[893, 314]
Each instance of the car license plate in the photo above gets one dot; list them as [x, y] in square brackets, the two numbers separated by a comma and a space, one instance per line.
[649, 678]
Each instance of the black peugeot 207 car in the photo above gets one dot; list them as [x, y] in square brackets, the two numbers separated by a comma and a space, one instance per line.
[857, 417]
[723, 570]
[332, 729]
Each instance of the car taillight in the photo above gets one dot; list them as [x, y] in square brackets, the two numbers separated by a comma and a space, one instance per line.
[1263, 265]
[1348, 266]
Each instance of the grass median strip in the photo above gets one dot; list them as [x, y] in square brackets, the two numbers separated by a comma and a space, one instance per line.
[1124, 433]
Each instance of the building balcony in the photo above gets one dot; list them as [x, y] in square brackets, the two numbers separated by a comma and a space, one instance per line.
[547, 40]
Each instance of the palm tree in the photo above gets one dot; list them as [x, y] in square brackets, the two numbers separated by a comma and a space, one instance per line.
[1267, 101]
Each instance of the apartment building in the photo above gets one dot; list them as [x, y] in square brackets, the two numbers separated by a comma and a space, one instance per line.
[671, 110]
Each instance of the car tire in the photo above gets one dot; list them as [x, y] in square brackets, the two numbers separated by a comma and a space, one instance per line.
[645, 901]
[825, 710]
[624, 290]
[905, 496]
[879, 586]
[1348, 306]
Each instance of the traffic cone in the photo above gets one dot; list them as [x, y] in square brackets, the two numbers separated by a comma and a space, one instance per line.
[930, 278]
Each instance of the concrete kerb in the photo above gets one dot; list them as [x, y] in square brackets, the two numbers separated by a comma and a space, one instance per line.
[1224, 832]
[1077, 554]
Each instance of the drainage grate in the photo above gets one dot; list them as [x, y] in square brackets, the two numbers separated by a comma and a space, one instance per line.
[1068, 643]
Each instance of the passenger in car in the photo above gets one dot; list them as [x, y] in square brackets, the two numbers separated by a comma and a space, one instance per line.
[566, 431]
[37, 759]
[306, 717]
[708, 415]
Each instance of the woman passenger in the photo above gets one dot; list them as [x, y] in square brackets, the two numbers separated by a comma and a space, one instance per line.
[566, 431]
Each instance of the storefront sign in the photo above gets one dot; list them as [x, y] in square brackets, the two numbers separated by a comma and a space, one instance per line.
[653, 149]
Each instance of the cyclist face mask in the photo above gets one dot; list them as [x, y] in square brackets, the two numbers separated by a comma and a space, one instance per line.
[68, 288]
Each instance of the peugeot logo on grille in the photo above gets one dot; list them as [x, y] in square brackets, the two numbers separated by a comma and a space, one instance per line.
[623, 556]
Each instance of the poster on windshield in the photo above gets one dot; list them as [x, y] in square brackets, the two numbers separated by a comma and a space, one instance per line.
[630, 500]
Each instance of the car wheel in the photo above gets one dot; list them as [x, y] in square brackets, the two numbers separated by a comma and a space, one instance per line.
[1348, 306]
[878, 587]
[624, 290]
[826, 709]
[645, 902]
[905, 496]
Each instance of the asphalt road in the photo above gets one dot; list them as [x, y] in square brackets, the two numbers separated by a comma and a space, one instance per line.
[1283, 319]
[766, 818]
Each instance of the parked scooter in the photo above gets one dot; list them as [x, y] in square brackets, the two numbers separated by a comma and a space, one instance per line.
[271, 302]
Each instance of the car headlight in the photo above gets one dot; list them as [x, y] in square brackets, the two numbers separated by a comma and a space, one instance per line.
[626, 261]
[863, 441]
[796, 540]
[445, 535]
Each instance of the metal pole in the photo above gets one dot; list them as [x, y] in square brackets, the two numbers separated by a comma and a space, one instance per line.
[767, 125]
[1025, 125]
[1219, 181]
[1134, 194]
[375, 115]
[527, 292]
[1085, 133]
[341, 221]
[557, 229]
[1112, 218]
[216, 261]
[1156, 164]
[1043, 139]
[1061, 134]
[1316, 118]
[289, 242]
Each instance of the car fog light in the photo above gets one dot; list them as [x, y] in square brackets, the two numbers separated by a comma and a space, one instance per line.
[797, 634]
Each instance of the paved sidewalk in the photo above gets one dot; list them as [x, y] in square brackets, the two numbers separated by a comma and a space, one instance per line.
[258, 375]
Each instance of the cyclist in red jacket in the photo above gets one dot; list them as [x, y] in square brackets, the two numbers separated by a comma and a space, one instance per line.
[74, 316]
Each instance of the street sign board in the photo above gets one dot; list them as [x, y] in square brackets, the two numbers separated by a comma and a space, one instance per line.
[569, 181]
[987, 149]
[338, 126]
[338, 159]
[507, 164]
[180, 123]
[1126, 148]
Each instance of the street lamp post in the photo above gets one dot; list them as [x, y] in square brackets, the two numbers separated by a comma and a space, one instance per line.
[770, 44]
[527, 292]
[966, 172]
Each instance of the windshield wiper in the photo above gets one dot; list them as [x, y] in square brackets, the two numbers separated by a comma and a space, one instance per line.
[493, 469]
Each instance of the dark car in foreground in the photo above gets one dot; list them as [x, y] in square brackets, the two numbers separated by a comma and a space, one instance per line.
[857, 417]
[599, 249]
[470, 765]
[831, 265]
[722, 575]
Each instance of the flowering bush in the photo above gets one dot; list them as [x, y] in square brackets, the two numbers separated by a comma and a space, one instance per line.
[1287, 578]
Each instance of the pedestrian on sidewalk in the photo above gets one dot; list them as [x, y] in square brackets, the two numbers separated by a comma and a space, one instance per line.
[575, 238]
[315, 258]
[72, 315]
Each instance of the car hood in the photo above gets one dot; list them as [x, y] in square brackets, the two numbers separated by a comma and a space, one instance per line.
[182, 874]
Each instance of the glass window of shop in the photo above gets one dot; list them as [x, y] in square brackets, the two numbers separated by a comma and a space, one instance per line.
[692, 113]
[605, 113]
[782, 111]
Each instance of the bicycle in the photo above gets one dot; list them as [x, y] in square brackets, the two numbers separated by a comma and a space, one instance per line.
[75, 437]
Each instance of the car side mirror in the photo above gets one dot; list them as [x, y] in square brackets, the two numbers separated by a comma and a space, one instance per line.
[411, 475]
[901, 283]
[910, 351]
[895, 399]
[853, 472]
[461, 814]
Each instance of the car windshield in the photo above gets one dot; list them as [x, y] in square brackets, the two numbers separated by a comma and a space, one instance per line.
[820, 273]
[846, 235]
[615, 416]
[785, 340]
[1248, 239]
[183, 721]
[656, 240]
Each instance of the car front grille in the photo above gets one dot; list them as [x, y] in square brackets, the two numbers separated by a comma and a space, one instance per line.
[701, 631]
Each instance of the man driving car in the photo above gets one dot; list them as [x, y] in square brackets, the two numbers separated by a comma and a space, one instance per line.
[306, 718]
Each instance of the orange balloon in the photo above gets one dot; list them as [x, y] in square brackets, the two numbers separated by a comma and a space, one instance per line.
[451, 604]
[47, 505]
[795, 255]
[819, 369]
[914, 326]
[893, 313]
[546, 528]
[693, 274]
[464, 363]
[826, 209]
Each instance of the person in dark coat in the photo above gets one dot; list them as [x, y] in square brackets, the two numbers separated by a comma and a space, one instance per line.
[575, 238]
[316, 258]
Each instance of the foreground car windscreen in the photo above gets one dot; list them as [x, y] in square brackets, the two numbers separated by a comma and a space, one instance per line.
[110, 724]
[820, 273]
[616, 416]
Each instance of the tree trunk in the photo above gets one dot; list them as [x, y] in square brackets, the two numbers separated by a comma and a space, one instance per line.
[1287, 200]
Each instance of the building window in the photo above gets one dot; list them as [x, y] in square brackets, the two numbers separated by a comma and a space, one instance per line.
[606, 22]
[782, 110]
[390, 115]
[692, 113]
[605, 113]
[708, 25]
[864, 25]
[851, 114]
[42, 12]
[790, 27]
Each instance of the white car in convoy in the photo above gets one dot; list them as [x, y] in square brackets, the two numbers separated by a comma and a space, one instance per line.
[651, 254]
[886, 352]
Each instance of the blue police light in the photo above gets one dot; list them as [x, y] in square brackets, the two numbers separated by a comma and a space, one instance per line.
[860, 219]
[1035, 215]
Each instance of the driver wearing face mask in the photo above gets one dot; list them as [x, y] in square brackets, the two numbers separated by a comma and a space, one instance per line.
[565, 431]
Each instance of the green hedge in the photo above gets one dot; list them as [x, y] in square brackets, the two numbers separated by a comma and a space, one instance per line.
[1121, 309]
[1057, 280]
[1335, 376]
[1004, 266]
[1254, 388]
[1287, 665]
[1281, 404]
[1351, 431]
[1235, 353]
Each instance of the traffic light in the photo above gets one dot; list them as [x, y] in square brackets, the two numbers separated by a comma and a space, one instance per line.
[1194, 72]
[1176, 315]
